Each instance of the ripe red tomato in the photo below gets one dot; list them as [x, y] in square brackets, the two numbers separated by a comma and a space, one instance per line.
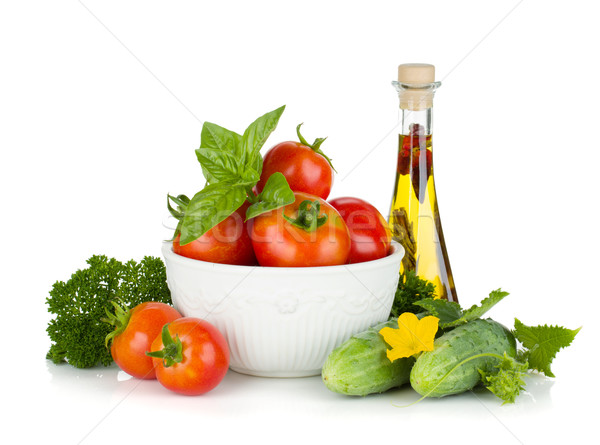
[227, 243]
[191, 356]
[369, 232]
[281, 239]
[134, 335]
[304, 165]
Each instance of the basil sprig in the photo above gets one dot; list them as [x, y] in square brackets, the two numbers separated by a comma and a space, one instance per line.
[231, 164]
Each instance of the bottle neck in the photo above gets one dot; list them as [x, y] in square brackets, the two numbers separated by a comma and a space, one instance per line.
[421, 118]
[416, 105]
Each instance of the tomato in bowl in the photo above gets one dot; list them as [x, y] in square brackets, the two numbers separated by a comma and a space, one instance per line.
[309, 232]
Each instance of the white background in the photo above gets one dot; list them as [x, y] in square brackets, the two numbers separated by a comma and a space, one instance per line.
[101, 106]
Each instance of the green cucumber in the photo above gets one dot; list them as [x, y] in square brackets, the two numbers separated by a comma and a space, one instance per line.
[436, 374]
[360, 365]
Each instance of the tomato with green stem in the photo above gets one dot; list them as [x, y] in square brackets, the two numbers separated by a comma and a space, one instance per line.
[305, 166]
[135, 330]
[306, 233]
[191, 356]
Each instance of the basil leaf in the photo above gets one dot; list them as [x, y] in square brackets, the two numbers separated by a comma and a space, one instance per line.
[257, 133]
[277, 193]
[216, 137]
[219, 164]
[209, 207]
[249, 177]
[257, 164]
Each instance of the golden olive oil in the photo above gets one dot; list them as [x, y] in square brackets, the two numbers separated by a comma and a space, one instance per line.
[414, 215]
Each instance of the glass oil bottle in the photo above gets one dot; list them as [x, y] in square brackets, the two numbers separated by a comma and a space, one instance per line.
[414, 215]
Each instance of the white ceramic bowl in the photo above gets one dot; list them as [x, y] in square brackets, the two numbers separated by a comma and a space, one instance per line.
[284, 321]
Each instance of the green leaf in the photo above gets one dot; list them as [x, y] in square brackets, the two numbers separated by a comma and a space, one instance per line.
[486, 304]
[215, 136]
[218, 138]
[475, 311]
[542, 343]
[219, 164]
[256, 134]
[209, 207]
[257, 165]
[277, 193]
[249, 177]
[446, 311]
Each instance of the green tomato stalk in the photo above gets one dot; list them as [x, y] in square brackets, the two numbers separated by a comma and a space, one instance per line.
[119, 319]
[308, 218]
[172, 351]
[315, 146]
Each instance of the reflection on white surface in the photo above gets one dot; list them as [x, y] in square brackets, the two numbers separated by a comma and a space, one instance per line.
[290, 392]
[105, 405]
[538, 390]
[122, 376]
[89, 405]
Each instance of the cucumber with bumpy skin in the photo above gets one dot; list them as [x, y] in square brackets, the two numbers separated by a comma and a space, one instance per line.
[360, 366]
[436, 374]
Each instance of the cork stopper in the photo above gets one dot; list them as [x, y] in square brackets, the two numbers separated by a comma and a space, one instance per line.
[418, 73]
[416, 85]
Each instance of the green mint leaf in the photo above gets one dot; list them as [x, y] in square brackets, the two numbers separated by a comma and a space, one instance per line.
[542, 343]
[475, 311]
[256, 134]
[277, 193]
[209, 207]
[218, 138]
[219, 164]
[446, 311]
[505, 379]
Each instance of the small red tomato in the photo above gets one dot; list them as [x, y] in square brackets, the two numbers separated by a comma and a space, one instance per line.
[306, 233]
[135, 331]
[227, 243]
[304, 165]
[369, 232]
[191, 356]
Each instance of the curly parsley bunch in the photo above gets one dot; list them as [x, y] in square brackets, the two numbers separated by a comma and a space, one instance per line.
[77, 331]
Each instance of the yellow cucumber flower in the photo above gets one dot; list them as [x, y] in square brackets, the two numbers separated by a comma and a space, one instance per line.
[411, 337]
